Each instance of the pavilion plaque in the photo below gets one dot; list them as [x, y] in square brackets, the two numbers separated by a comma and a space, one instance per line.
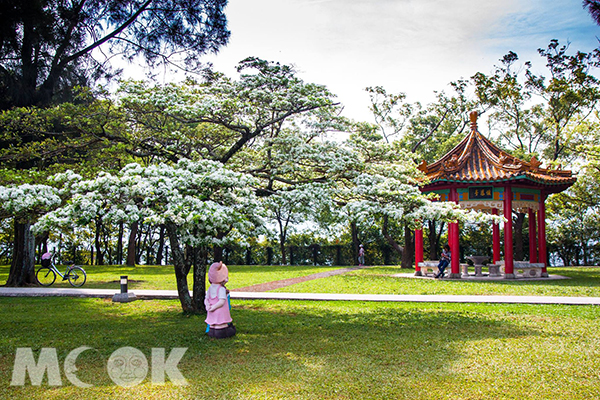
[481, 193]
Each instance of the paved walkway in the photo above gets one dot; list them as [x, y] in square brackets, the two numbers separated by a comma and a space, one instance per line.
[172, 294]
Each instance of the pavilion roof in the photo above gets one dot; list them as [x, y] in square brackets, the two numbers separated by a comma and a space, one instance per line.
[476, 160]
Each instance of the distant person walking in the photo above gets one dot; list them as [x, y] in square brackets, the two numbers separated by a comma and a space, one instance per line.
[361, 256]
[444, 261]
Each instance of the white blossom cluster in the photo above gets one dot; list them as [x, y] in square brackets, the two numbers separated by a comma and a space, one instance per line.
[27, 201]
[269, 95]
[200, 199]
[375, 195]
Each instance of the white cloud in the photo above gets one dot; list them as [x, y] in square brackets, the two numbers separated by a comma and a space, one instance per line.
[414, 46]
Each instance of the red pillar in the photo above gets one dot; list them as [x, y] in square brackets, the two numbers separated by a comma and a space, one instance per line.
[542, 234]
[496, 238]
[418, 250]
[533, 255]
[508, 235]
[453, 235]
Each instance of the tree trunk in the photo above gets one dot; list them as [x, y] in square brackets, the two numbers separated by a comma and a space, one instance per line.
[131, 245]
[434, 239]
[41, 242]
[283, 252]
[148, 246]
[217, 253]
[182, 266]
[315, 253]
[249, 256]
[389, 238]
[22, 268]
[385, 250]
[161, 245]
[355, 244]
[409, 248]
[99, 254]
[519, 248]
[199, 285]
[120, 245]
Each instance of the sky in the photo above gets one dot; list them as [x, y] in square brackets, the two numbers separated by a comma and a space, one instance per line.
[411, 46]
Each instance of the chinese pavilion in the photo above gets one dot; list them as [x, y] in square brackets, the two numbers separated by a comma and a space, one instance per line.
[476, 174]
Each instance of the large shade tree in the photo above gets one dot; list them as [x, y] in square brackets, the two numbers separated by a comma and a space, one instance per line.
[199, 203]
[25, 203]
[267, 123]
[50, 47]
[47, 47]
[218, 117]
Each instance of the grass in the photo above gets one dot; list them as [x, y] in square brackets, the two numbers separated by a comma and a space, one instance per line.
[375, 280]
[380, 280]
[163, 277]
[327, 350]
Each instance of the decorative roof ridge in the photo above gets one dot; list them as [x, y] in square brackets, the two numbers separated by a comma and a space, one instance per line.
[477, 159]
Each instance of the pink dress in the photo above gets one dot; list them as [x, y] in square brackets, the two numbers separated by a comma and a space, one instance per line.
[220, 315]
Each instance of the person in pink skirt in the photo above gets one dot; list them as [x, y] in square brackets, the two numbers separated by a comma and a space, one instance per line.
[217, 307]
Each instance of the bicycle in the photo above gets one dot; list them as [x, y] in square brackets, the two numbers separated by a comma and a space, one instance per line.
[74, 274]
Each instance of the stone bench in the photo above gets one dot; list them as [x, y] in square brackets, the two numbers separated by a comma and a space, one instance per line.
[529, 270]
[427, 266]
[432, 266]
[494, 269]
[465, 269]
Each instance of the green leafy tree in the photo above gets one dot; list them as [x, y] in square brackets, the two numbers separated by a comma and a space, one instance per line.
[266, 123]
[428, 132]
[513, 121]
[222, 116]
[574, 228]
[571, 93]
[48, 47]
[593, 7]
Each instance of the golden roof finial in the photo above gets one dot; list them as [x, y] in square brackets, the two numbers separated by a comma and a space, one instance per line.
[473, 117]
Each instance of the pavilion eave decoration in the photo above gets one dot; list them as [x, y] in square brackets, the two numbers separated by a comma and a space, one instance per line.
[476, 160]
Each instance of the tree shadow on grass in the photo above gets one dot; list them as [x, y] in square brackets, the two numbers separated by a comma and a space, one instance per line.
[310, 349]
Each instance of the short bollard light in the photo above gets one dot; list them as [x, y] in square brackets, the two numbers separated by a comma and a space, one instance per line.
[124, 296]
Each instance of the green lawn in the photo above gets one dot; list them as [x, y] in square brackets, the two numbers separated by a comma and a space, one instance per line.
[379, 280]
[163, 277]
[375, 280]
[318, 350]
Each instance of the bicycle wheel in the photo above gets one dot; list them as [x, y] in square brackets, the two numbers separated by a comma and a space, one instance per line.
[76, 276]
[45, 276]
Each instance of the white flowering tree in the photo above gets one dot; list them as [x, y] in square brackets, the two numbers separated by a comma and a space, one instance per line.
[300, 204]
[25, 203]
[231, 120]
[386, 190]
[217, 118]
[199, 203]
